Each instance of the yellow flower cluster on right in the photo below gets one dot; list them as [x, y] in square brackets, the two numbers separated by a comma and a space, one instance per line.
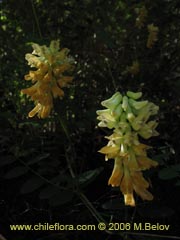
[129, 119]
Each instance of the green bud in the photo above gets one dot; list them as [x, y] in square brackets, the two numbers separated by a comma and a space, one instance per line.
[128, 137]
[111, 125]
[116, 113]
[112, 102]
[153, 108]
[125, 103]
[145, 132]
[105, 115]
[137, 105]
[123, 117]
[129, 114]
[152, 124]
[144, 113]
[136, 124]
[102, 124]
[108, 124]
[134, 95]
[148, 130]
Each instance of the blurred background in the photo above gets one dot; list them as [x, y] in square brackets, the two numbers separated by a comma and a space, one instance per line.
[109, 42]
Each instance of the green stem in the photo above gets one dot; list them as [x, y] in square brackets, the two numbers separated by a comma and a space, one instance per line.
[36, 19]
[83, 198]
[64, 129]
[110, 73]
[40, 176]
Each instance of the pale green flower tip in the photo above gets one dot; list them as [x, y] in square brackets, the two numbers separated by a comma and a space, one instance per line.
[111, 124]
[98, 112]
[145, 135]
[156, 108]
[152, 124]
[130, 116]
[153, 108]
[155, 133]
[101, 112]
[139, 105]
[54, 45]
[37, 49]
[28, 56]
[125, 103]
[134, 95]
[102, 124]
[112, 102]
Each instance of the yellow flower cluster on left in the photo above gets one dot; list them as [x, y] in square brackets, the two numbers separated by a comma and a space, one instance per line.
[52, 65]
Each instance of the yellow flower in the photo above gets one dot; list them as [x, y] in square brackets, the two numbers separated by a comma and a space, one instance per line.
[117, 173]
[42, 111]
[142, 15]
[129, 180]
[140, 149]
[64, 81]
[126, 187]
[134, 68]
[145, 162]
[128, 164]
[129, 118]
[49, 78]
[140, 186]
[131, 161]
[110, 151]
[152, 37]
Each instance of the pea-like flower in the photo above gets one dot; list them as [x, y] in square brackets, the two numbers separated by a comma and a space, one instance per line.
[134, 68]
[153, 35]
[142, 16]
[128, 118]
[52, 65]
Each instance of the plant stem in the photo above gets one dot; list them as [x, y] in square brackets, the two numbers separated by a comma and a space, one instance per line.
[36, 19]
[83, 198]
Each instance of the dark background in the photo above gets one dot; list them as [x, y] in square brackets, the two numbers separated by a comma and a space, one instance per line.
[37, 155]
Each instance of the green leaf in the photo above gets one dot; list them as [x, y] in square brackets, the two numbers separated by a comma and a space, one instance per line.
[168, 173]
[88, 176]
[34, 124]
[59, 180]
[4, 139]
[176, 167]
[178, 183]
[63, 179]
[31, 185]
[39, 158]
[160, 158]
[61, 198]
[7, 160]
[16, 172]
[48, 192]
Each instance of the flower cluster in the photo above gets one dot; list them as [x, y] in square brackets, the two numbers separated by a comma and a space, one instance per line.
[142, 15]
[152, 37]
[128, 117]
[134, 68]
[50, 77]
